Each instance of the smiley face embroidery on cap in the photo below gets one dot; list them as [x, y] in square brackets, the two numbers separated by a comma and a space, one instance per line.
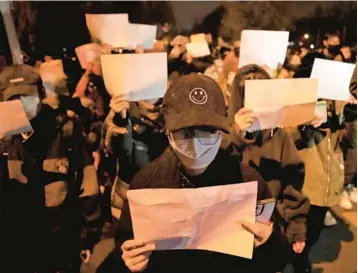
[198, 96]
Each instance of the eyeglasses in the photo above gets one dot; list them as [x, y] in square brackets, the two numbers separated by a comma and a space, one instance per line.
[205, 135]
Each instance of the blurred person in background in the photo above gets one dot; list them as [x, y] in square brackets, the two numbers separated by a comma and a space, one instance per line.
[349, 147]
[291, 65]
[134, 135]
[274, 156]
[52, 185]
[331, 45]
[319, 147]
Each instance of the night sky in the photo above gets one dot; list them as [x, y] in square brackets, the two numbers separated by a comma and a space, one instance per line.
[187, 12]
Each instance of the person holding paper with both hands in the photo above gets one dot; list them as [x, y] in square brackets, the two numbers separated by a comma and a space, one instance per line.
[274, 155]
[195, 119]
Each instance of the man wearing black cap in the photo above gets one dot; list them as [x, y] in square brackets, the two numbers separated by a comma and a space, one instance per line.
[51, 208]
[195, 117]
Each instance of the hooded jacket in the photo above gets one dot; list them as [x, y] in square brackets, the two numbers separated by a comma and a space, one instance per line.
[166, 172]
[274, 155]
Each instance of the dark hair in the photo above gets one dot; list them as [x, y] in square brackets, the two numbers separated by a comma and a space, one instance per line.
[307, 64]
[41, 90]
[308, 60]
[223, 51]
[331, 34]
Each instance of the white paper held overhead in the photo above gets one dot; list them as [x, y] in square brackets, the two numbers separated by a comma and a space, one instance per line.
[109, 29]
[333, 79]
[137, 76]
[13, 119]
[199, 37]
[198, 49]
[188, 218]
[276, 103]
[263, 47]
[142, 35]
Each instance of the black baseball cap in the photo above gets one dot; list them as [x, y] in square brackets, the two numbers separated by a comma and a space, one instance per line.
[19, 80]
[192, 101]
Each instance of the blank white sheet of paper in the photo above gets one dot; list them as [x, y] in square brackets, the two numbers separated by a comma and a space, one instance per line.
[137, 76]
[333, 79]
[142, 35]
[109, 29]
[263, 47]
[198, 49]
[203, 218]
[281, 102]
[13, 119]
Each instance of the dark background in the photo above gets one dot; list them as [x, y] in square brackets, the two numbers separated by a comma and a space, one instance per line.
[47, 28]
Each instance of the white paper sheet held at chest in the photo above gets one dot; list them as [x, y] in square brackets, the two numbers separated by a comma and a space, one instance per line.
[263, 47]
[137, 76]
[109, 29]
[203, 218]
[13, 119]
[143, 35]
[281, 102]
[333, 79]
[198, 49]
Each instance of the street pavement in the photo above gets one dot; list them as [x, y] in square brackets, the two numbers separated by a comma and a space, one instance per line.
[336, 250]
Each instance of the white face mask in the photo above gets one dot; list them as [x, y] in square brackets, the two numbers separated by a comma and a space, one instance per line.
[31, 105]
[194, 155]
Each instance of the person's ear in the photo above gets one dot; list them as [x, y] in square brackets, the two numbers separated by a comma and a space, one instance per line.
[325, 43]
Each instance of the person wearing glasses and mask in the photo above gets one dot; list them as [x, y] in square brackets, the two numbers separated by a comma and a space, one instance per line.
[195, 119]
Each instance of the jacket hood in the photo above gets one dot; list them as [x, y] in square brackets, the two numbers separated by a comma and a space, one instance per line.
[237, 90]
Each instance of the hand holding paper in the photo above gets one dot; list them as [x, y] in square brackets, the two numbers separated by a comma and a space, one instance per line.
[136, 254]
[120, 105]
[261, 232]
[194, 217]
[244, 119]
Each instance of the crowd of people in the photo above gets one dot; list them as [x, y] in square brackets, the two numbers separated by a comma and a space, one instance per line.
[66, 180]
